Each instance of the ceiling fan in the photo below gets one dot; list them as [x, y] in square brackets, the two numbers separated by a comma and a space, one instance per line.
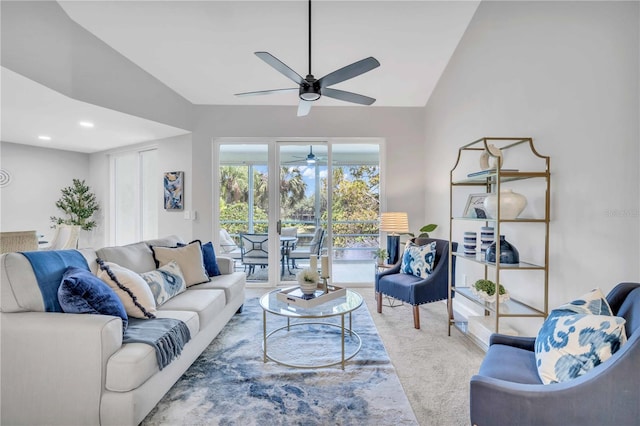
[311, 158]
[311, 89]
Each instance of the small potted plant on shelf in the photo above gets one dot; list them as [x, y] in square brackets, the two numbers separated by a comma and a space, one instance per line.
[380, 254]
[486, 290]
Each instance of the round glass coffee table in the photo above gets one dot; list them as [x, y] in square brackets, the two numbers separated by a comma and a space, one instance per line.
[340, 306]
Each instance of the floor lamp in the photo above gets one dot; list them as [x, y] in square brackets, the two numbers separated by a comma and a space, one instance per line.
[394, 223]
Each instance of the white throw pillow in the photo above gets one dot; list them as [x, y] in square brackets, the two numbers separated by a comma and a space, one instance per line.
[131, 288]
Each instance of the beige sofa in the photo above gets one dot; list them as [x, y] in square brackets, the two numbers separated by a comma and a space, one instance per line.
[70, 369]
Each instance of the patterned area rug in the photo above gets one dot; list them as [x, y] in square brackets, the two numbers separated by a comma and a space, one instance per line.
[229, 384]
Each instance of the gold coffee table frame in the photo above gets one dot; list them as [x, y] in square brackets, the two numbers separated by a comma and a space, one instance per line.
[332, 308]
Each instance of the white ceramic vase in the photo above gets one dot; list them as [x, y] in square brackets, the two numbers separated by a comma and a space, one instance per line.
[307, 287]
[511, 204]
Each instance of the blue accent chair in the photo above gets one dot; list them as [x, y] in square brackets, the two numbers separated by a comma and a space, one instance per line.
[415, 290]
[508, 391]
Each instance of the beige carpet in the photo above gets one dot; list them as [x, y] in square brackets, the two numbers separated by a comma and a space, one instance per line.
[434, 368]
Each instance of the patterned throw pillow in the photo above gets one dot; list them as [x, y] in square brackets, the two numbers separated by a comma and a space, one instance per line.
[165, 282]
[132, 290]
[418, 260]
[577, 337]
[189, 258]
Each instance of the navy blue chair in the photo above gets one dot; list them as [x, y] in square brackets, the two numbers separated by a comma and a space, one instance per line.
[415, 290]
[508, 391]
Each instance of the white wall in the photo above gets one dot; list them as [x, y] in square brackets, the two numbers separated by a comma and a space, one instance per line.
[39, 175]
[566, 74]
[402, 129]
[174, 154]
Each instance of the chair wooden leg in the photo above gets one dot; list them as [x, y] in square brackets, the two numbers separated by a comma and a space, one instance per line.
[379, 300]
[416, 317]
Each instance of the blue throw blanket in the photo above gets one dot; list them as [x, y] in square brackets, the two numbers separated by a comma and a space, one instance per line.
[167, 335]
[49, 266]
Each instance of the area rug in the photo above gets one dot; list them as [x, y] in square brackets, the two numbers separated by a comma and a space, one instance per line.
[230, 384]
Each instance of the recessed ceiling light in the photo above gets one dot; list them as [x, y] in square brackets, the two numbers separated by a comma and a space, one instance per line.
[86, 124]
[44, 138]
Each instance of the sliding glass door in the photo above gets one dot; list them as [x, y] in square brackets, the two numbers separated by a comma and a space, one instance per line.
[301, 199]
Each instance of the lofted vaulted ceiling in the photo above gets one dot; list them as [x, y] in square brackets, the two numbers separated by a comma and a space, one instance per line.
[203, 50]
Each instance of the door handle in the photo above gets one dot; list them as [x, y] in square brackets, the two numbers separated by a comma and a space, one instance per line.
[279, 226]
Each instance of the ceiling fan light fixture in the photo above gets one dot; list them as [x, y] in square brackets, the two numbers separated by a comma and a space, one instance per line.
[311, 159]
[308, 94]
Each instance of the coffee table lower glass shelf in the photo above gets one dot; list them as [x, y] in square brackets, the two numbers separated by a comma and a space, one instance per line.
[306, 327]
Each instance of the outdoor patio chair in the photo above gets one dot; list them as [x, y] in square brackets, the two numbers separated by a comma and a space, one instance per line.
[305, 252]
[254, 251]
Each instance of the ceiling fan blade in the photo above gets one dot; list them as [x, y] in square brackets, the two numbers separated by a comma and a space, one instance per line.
[304, 107]
[268, 92]
[347, 96]
[280, 67]
[350, 71]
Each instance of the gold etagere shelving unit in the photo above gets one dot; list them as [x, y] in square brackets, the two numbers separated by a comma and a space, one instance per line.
[490, 182]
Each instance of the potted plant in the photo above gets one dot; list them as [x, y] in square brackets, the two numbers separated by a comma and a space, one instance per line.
[486, 290]
[424, 231]
[308, 280]
[79, 204]
[380, 254]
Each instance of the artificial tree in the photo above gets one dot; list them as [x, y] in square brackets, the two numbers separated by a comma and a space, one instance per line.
[79, 204]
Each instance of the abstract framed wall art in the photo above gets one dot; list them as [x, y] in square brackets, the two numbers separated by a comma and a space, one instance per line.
[173, 190]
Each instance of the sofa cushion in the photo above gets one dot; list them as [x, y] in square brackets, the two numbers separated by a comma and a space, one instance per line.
[206, 303]
[81, 292]
[189, 257]
[134, 363]
[136, 257]
[233, 285]
[165, 282]
[131, 288]
[418, 260]
[577, 337]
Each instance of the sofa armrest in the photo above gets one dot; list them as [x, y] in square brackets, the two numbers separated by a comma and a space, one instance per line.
[225, 264]
[53, 366]
[526, 343]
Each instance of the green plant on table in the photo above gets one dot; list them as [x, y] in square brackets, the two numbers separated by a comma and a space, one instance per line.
[380, 254]
[488, 287]
[79, 204]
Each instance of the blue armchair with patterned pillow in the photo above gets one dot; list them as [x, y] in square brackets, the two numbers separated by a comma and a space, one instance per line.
[581, 369]
[420, 276]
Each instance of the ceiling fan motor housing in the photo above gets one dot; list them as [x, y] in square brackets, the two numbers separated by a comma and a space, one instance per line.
[310, 90]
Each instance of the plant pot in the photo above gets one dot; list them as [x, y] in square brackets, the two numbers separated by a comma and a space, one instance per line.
[511, 204]
[307, 287]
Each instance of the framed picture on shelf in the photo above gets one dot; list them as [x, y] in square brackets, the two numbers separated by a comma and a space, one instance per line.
[475, 206]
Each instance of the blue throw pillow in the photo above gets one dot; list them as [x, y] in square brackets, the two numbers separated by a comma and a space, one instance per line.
[577, 337]
[209, 259]
[418, 260]
[81, 292]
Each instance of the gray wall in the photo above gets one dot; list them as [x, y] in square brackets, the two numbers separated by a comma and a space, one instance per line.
[402, 129]
[566, 74]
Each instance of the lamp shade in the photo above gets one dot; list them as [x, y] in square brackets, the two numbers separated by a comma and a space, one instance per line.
[394, 222]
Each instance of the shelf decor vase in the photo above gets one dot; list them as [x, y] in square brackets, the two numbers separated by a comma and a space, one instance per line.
[508, 253]
[511, 204]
